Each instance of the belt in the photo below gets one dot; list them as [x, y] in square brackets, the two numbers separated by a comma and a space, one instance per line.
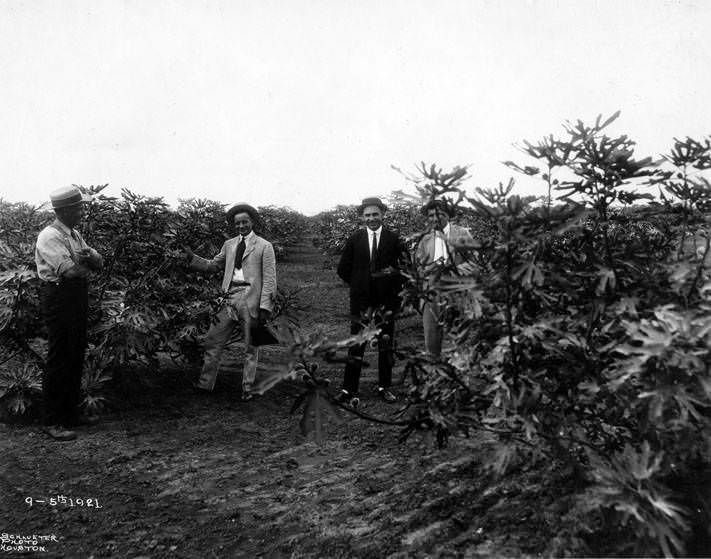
[63, 281]
[240, 284]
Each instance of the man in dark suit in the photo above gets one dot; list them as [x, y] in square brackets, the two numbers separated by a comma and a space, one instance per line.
[370, 266]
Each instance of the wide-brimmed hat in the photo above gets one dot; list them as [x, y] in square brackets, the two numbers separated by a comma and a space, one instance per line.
[68, 196]
[242, 208]
[373, 201]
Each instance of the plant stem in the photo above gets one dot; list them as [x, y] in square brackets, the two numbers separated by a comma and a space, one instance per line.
[699, 268]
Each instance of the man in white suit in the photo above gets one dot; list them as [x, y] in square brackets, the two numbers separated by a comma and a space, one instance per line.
[249, 278]
[442, 245]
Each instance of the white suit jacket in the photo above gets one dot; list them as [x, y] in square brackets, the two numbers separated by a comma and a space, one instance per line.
[459, 239]
[258, 267]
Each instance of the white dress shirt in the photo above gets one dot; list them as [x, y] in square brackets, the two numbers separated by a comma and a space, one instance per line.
[238, 275]
[56, 250]
[440, 244]
[372, 233]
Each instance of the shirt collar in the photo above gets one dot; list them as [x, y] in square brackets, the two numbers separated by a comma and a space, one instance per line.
[376, 232]
[247, 237]
[445, 230]
[63, 228]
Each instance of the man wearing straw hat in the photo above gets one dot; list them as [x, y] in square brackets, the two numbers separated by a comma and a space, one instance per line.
[64, 262]
[249, 277]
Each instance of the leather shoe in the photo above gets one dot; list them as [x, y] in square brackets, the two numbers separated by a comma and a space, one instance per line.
[347, 399]
[247, 396]
[199, 389]
[59, 433]
[343, 397]
[386, 395]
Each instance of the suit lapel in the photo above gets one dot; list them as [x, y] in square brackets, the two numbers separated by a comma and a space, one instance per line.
[249, 247]
[230, 248]
[427, 245]
[365, 247]
[382, 241]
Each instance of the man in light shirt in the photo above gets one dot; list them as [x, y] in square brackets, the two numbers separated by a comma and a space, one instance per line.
[370, 265]
[249, 278]
[64, 262]
[440, 246]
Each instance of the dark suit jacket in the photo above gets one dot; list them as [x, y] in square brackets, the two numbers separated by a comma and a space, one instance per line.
[354, 268]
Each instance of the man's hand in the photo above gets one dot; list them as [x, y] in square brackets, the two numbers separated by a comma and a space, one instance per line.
[264, 316]
[385, 272]
[76, 271]
[90, 259]
[189, 255]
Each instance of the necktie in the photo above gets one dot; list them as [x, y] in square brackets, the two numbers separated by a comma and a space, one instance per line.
[239, 254]
[373, 253]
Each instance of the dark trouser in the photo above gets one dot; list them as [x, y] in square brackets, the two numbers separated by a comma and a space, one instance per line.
[351, 378]
[64, 307]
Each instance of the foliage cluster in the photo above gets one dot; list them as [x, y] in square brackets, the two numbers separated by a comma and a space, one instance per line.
[333, 227]
[283, 227]
[579, 330]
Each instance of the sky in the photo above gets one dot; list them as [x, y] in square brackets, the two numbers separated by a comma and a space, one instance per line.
[308, 103]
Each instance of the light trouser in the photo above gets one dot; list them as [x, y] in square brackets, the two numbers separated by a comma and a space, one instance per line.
[432, 327]
[219, 334]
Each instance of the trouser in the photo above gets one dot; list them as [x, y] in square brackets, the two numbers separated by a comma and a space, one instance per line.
[64, 307]
[351, 377]
[432, 327]
[219, 334]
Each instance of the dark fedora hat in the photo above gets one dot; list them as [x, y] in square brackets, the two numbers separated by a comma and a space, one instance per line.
[242, 208]
[373, 201]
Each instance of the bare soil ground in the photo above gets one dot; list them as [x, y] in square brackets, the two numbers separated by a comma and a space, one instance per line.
[179, 474]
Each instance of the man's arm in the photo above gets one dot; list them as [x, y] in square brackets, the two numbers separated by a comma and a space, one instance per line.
[464, 240]
[52, 252]
[397, 255]
[91, 259]
[403, 253]
[421, 253]
[345, 264]
[269, 283]
[464, 245]
[76, 271]
[207, 265]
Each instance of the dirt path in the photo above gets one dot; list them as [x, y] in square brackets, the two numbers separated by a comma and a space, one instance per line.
[184, 475]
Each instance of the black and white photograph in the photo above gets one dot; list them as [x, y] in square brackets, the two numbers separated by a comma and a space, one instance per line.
[355, 280]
